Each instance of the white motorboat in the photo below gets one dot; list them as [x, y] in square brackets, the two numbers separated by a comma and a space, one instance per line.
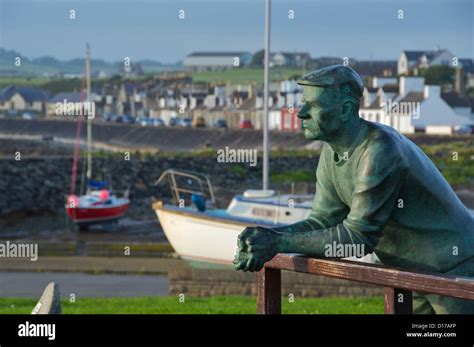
[201, 233]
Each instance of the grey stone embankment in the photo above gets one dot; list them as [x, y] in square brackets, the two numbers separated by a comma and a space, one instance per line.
[40, 184]
[201, 282]
[116, 135]
[119, 136]
[40, 181]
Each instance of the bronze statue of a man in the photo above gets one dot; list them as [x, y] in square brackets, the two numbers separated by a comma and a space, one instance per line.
[374, 188]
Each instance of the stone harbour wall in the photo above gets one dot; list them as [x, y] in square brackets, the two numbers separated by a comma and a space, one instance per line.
[202, 282]
[41, 184]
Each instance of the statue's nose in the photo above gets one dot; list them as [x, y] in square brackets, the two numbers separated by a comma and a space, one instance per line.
[304, 114]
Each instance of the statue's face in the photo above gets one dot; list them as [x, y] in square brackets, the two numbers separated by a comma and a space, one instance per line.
[321, 112]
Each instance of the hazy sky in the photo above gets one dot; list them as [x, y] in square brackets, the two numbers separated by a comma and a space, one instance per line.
[151, 29]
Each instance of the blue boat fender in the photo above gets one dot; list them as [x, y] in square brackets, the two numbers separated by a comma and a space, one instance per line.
[199, 201]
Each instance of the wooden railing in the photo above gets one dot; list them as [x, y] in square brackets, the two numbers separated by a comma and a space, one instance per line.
[398, 284]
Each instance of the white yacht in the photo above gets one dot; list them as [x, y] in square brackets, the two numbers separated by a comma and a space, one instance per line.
[201, 233]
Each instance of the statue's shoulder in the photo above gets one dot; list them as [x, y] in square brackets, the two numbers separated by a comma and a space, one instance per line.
[384, 141]
[383, 135]
[326, 151]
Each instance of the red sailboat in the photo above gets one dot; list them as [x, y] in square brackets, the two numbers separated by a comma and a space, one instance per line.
[99, 204]
[96, 207]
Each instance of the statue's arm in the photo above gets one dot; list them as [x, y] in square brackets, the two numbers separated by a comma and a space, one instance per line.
[328, 210]
[378, 181]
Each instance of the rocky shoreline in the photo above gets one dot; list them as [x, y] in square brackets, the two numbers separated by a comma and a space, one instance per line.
[33, 189]
[39, 184]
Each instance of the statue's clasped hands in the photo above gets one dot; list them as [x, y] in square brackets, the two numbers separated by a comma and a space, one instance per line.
[256, 246]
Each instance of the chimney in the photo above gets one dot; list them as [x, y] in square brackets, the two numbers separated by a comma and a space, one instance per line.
[431, 91]
[228, 89]
[382, 97]
[459, 81]
[374, 82]
[366, 97]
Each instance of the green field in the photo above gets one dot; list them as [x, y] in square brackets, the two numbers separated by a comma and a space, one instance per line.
[199, 305]
[52, 85]
[455, 160]
[234, 76]
[22, 81]
[246, 75]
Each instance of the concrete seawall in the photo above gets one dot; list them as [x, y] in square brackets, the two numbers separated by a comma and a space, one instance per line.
[116, 136]
[152, 138]
[41, 183]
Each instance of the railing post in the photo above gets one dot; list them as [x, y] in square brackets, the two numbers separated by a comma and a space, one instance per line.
[269, 291]
[398, 301]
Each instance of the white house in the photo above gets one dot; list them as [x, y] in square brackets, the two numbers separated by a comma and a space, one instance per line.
[415, 106]
[409, 60]
[297, 59]
[23, 99]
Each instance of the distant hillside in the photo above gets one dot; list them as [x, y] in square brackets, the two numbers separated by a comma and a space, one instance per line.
[50, 66]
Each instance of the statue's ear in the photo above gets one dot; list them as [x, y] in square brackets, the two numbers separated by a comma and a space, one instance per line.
[348, 108]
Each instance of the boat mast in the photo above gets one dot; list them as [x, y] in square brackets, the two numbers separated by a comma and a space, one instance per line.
[265, 96]
[89, 117]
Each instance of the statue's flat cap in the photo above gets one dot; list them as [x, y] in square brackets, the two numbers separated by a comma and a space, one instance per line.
[333, 76]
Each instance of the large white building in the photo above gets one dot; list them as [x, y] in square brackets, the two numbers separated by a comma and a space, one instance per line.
[210, 61]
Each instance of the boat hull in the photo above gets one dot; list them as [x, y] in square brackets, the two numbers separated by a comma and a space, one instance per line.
[200, 239]
[89, 216]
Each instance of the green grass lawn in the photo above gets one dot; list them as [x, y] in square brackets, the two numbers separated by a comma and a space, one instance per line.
[22, 81]
[199, 305]
[245, 75]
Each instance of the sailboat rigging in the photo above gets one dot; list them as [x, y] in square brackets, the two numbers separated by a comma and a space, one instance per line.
[99, 204]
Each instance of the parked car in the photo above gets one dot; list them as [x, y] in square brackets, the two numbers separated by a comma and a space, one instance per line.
[245, 124]
[12, 113]
[30, 115]
[128, 119]
[199, 122]
[464, 129]
[113, 118]
[106, 116]
[220, 123]
[173, 121]
[186, 122]
[158, 122]
[143, 121]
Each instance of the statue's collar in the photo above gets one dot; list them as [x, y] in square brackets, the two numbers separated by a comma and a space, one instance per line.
[339, 161]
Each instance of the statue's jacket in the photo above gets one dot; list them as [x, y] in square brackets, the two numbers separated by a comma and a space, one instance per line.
[386, 194]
